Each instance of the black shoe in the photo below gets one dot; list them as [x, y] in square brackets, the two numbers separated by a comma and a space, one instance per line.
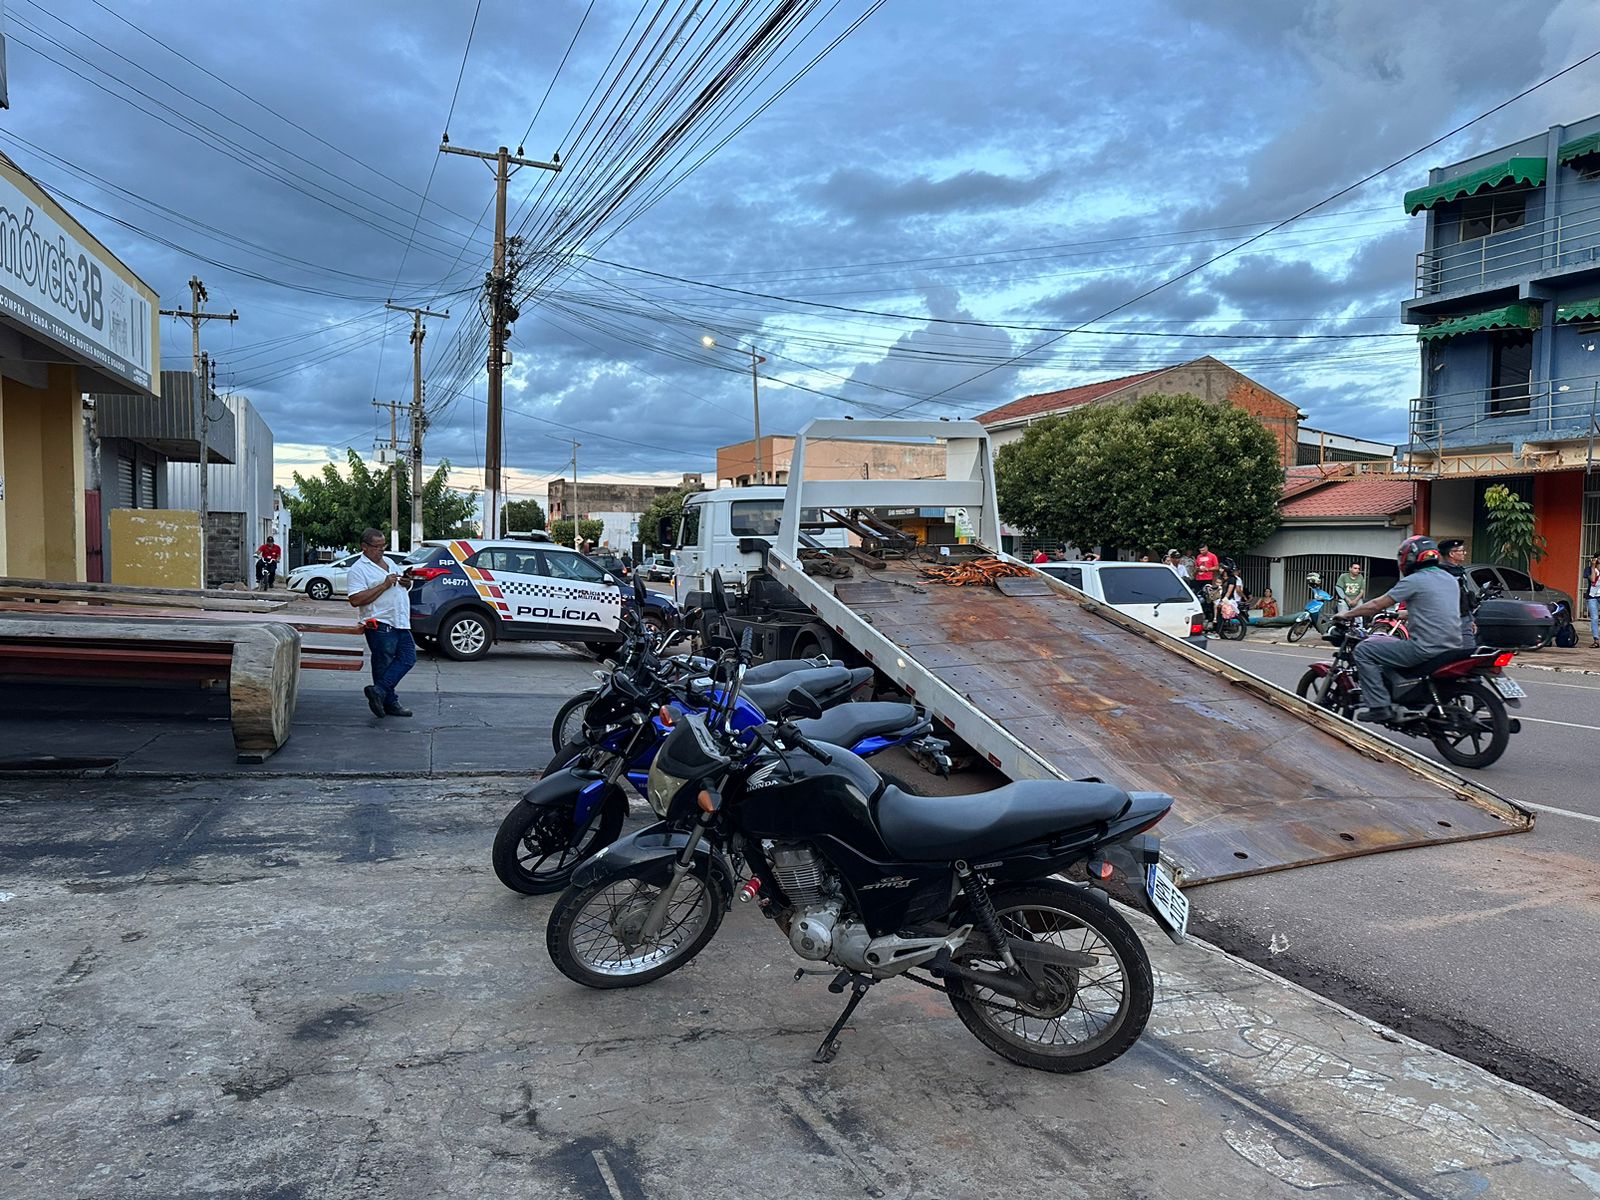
[374, 699]
[1377, 716]
[396, 710]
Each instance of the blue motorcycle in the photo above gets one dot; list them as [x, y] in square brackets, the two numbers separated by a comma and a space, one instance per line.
[578, 807]
[1310, 617]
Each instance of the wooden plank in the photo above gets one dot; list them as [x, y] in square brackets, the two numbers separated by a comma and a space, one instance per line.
[74, 608]
[151, 598]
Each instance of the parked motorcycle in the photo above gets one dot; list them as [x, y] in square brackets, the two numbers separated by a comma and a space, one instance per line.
[958, 896]
[1222, 618]
[1311, 615]
[1458, 699]
[579, 805]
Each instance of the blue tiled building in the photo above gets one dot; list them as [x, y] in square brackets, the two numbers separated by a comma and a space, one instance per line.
[1507, 309]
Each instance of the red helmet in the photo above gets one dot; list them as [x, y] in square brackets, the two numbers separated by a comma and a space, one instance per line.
[1418, 551]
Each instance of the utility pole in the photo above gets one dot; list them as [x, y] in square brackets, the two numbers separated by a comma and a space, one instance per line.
[391, 456]
[501, 314]
[577, 540]
[199, 407]
[418, 420]
[710, 343]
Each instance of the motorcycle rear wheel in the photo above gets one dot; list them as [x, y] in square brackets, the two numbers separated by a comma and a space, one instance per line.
[533, 852]
[1473, 701]
[568, 725]
[589, 928]
[1233, 629]
[1100, 1011]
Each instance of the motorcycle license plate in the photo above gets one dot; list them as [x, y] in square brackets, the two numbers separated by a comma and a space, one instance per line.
[1509, 688]
[1170, 903]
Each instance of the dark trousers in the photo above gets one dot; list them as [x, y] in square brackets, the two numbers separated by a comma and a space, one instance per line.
[394, 652]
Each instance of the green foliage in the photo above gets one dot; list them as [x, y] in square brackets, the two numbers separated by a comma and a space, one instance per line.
[1509, 522]
[330, 509]
[1163, 471]
[589, 529]
[668, 505]
[522, 515]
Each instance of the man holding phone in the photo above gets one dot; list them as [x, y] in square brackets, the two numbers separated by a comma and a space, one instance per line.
[380, 593]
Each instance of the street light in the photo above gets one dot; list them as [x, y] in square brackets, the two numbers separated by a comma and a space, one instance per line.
[710, 343]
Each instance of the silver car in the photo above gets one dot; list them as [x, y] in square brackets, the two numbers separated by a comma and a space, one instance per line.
[1514, 585]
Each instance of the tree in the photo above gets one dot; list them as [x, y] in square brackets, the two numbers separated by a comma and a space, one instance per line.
[668, 506]
[1164, 471]
[1509, 521]
[522, 515]
[590, 529]
[330, 509]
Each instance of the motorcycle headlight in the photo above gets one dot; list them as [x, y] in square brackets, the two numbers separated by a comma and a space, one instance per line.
[662, 788]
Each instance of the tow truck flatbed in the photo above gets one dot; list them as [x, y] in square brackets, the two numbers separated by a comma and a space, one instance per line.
[1045, 682]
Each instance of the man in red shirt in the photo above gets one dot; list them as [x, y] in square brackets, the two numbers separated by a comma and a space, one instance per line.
[267, 556]
[1040, 556]
[1205, 565]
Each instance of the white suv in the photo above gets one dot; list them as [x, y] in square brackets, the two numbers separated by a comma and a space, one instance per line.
[1152, 592]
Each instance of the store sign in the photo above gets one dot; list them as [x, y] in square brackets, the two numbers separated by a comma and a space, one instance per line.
[69, 293]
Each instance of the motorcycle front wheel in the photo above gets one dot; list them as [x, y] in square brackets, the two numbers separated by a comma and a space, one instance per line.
[1306, 689]
[1094, 1013]
[533, 851]
[594, 937]
[568, 725]
[1479, 730]
[1298, 630]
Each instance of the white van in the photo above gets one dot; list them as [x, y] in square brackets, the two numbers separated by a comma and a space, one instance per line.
[1152, 592]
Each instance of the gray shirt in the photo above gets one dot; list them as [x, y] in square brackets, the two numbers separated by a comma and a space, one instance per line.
[1433, 608]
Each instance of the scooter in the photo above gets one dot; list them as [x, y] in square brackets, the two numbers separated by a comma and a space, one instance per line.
[1311, 615]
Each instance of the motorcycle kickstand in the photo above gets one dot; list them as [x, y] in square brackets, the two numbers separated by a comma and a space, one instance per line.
[858, 988]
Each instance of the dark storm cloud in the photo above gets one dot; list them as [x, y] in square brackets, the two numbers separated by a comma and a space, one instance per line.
[870, 196]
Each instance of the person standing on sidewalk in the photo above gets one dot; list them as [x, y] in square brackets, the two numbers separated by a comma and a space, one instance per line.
[380, 593]
[1592, 595]
[268, 553]
[1352, 587]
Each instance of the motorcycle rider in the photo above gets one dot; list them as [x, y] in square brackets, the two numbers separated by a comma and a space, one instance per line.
[1433, 602]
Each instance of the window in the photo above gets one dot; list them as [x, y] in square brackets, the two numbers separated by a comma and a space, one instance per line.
[1516, 581]
[571, 566]
[1068, 575]
[515, 562]
[1143, 585]
[689, 528]
[1511, 373]
[755, 518]
[1498, 212]
[126, 495]
[1484, 577]
[147, 485]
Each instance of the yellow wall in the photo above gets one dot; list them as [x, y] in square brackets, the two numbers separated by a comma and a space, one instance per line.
[41, 460]
[155, 547]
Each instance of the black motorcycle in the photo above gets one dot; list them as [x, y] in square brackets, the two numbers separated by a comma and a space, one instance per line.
[956, 893]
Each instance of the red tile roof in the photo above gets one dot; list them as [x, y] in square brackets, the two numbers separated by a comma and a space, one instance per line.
[1049, 402]
[1363, 496]
[1299, 480]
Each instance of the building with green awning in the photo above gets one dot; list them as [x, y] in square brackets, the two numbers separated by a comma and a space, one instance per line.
[1527, 171]
[1509, 316]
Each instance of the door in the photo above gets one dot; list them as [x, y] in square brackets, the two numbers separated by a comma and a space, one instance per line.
[690, 554]
[568, 592]
[93, 542]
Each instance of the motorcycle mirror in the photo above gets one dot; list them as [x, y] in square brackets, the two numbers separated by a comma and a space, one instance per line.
[664, 533]
[801, 703]
[719, 594]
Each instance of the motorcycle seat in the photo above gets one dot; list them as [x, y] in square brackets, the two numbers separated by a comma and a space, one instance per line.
[942, 828]
[1429, 665]
[829, 685]
[850, 723]
[779, 667]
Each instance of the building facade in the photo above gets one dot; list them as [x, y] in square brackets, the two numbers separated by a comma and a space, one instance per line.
[1208, 378]
[1506, 302]
[736, 464]
[73, 319]
[240, 499]
[618, 506]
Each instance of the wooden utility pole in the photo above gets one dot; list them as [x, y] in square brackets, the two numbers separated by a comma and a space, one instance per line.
[391, 457]
[200, 407]
[493, 450]
[418, 418]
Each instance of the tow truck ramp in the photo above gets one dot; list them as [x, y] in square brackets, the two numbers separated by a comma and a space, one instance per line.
[1047, 683]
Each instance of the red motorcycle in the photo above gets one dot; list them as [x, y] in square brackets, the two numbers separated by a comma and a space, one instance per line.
[1458, 700]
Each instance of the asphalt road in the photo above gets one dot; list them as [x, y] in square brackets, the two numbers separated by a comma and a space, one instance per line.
[1489, 949]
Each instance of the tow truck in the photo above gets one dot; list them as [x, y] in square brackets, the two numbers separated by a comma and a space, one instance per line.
[1041, 681]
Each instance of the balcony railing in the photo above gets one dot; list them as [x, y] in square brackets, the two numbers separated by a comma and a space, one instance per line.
[1564, 241]
[1560, 408]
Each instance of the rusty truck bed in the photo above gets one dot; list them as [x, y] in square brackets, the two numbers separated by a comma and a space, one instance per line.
[1044, 681]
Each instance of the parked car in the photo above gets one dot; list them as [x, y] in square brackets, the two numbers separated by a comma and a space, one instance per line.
[324, 581]
[468, 594]
[613, 562]
[1517, 585]
[660, 567]
[1150, 592]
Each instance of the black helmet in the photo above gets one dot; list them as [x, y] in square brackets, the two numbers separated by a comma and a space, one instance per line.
[1415, 552]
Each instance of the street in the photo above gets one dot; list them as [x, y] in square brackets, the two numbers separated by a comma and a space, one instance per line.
[1489, 949]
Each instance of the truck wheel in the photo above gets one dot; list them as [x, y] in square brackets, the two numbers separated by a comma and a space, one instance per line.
[466, 636]
[809, 645]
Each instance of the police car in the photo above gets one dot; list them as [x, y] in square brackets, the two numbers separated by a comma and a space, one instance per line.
[467, 595]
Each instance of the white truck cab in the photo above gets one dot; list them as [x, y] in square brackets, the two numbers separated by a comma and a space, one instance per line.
[716, 534]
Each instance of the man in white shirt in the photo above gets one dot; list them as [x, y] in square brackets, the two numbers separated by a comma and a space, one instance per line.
[380, 593]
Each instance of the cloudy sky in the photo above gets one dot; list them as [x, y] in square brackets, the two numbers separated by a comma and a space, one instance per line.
[902, 216]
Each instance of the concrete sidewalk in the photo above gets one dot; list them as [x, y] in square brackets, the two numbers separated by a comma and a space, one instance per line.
[318, 989]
